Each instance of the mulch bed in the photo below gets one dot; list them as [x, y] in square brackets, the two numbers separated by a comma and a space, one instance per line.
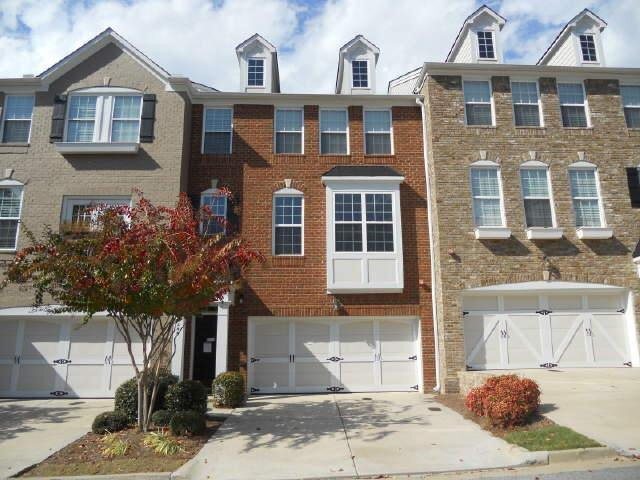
[84, 456]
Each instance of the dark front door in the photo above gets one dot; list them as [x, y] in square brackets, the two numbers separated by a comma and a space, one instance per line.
[204, 345]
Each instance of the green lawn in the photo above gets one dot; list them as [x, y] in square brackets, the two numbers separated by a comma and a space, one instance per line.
[553, 437]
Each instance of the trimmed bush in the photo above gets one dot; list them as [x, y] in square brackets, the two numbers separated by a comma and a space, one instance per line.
[228, 390]
[161, 418]
[109, 422]
[188, 422]
[186, 395]
[505, 400]
[126, 399]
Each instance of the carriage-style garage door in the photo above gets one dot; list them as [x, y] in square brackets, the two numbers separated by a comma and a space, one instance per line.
[355, 354]
[522, 330]
[51, 356]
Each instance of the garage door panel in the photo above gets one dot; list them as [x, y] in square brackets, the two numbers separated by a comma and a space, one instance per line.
[357, 375]
[6, 375]
[271, 376]
[356, 339]
[88, 342]
[568, 342]
[312, 339]
[271, 339]
[41, 340]
[398, 374]
[482, 341]
[121, 350]
[397, 339]
[524, 343]
[84, 380]
[8, 340]
[317, 374]
[35, 379]
[609, 339]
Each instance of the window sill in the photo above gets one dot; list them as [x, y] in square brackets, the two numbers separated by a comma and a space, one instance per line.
[492, 233]
[357, 290]
[529, 127]
[481, 126]
[594, 233]
[289, 154]
[70, 148]
[14, 147]
[544, 233]
[380, 155]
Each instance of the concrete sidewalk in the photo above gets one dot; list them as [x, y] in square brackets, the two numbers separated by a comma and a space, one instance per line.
[307, 436]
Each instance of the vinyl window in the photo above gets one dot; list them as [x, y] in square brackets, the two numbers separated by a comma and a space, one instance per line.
[378, 132]
[255, 72]
[588, 48]
[80, 214]
[288, 224]
[16, 124]
[10, 210]
[526, 104]
[572, 105]
[218, 131]
[107, 118]
[486, 48]
[360, 73]
[487, 197]
[585, 197]
[477, 102]
[334, 138]
[371, 232]
[214, 213]
[631, 104]
[289, 128]
[536, 194]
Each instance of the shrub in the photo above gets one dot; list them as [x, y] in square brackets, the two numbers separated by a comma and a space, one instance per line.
[109, 422]
[228, 389]
[505, 400]
[162, 443]
[161, 418]
[186, 395]
[126, 399]
[114, 446]
[189, 422]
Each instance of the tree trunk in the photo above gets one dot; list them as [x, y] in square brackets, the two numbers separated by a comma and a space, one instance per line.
[141, 388]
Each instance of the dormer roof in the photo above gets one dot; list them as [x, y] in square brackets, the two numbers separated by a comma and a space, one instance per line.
[344, 50]
[566, 31]
[466, 25]
[243, 47]
[256, 37]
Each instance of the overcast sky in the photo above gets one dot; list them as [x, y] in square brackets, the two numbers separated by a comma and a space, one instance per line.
[197, 37]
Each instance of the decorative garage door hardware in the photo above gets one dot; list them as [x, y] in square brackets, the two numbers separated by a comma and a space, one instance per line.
[59, 393]
[413, 357]
[627, 364]
[335, 359]
[335, 389]
[254, 360]
[61, 361]
[544, 312]
[254, 390]
[548, 365]
[415, 387]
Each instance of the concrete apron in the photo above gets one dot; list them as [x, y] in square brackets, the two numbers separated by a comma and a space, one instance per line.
[315, 436]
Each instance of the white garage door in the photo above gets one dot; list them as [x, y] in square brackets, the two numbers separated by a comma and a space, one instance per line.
[543, 331]
[59, 357]
[355, 354]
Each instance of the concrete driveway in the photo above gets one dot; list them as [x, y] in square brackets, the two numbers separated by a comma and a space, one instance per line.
[31, 430]
[601, 403]
[311, 436]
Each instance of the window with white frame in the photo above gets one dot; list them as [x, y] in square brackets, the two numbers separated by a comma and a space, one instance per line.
[377, 132]
[486, 48]
[631, 104]
[10, 210]
[255, 72]
[334, 138]
[289, 127]
[487, 197]
[371, 232]
[588, 48]
[586, 197]
[111, 117]
[536, 194]
[81, 214]
[477, 102]
[213, 205]
[288, 224]
[217, 130]
[360, 73]
[572, 105]
[16, 118]
[526, 104]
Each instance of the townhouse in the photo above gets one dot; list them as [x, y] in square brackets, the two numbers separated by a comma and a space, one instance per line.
[533, 255]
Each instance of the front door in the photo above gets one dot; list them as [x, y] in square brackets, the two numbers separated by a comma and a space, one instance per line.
[204, 354]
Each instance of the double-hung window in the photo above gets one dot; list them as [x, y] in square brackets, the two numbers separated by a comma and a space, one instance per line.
[289, 128]
[573, 105]
[360, 73]
[214, 212]
[287, 224]
[377, 132]
[588, 48]
[217, 131]
[586, 197]
[80, 214]
[16, 118]
[526, 105]
[631, 104]
[371, 232]
[486, 49]
[334, 132]
[536, 194]
[477, 102]
[10, 210]
[125, 120]
[487, 197]
[255, 72]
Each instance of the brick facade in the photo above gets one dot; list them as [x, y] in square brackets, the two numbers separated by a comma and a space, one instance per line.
[296, 286]
[463, 262]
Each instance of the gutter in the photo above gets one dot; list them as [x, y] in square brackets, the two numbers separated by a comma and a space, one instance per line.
[436, 342]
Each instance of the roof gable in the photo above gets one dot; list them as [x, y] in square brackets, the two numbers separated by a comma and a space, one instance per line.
[359, 41]
[256, 37]
[484, 10]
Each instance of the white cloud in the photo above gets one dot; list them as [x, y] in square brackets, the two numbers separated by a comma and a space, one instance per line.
[197, 37]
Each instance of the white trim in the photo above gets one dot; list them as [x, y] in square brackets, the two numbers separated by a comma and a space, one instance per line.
[264, 73]
[390, 132]
[275, 130]
[594, 233]
[346, 132]
[43, 311]
[549, 198]
[18, 218]
[587, 167]
[543, 286]
[284, 193]
[90, 148]
[368, 86]
[536, 81]
[177, 361]
[4, 120]
[215, 192]
[491, 101]
[503, 215]
[222, 335]
[492, 233]
[205, 131]
[585, 104]
[70, 201]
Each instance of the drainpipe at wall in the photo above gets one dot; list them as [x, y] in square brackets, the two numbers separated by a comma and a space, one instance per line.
[420, 101]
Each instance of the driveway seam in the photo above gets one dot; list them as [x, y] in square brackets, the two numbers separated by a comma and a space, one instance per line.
[346, 436]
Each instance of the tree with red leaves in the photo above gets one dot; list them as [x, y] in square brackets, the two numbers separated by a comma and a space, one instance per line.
[147, 266]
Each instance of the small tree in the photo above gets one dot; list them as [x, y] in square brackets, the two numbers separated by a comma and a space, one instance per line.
[147, 266]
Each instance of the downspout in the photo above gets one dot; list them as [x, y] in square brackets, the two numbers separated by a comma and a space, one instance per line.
[420, 101]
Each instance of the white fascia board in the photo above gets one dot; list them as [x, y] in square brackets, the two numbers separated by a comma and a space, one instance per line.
[328, 181]
[543, 286]
[70, 148]
[42, 311]
[288, 99]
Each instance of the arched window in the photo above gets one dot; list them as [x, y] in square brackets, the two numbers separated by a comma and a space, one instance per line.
[288, 222]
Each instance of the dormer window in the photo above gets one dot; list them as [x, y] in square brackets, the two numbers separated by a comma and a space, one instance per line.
[486, 48]
[588, 48]
[255, 72]
[360, 74]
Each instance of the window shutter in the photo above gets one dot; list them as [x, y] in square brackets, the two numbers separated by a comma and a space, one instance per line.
[195, 202]
[148, 117]
[57, 119]
[633, 179]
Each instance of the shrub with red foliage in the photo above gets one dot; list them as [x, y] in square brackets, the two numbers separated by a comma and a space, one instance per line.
[505, 400]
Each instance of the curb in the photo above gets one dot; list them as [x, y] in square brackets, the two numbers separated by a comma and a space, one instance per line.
[580, 454]
[119, 476]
